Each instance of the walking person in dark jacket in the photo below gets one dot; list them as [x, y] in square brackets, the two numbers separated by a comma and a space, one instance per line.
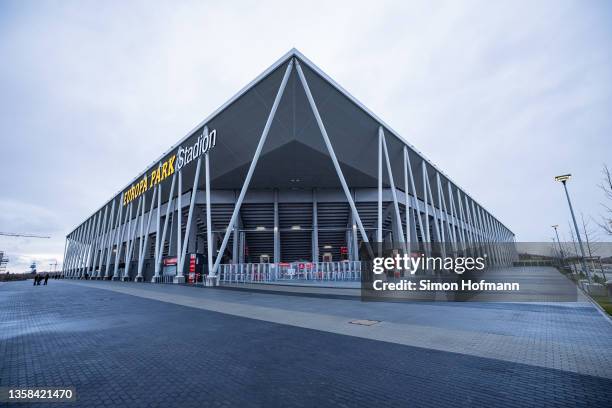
[46, 278]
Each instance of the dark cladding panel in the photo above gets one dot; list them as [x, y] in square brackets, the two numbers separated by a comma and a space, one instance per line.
[353, 133]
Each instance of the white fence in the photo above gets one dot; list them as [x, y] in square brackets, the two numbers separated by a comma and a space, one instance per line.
[164, 279]
[308, 271]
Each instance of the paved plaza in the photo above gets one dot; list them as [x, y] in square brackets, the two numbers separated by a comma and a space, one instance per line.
[145, 345]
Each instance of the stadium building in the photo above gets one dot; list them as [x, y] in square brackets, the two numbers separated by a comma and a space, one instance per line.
[284, 181]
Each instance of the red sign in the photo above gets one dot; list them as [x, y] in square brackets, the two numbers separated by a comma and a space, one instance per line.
[305, 265]
[170, 261]
[343, 250]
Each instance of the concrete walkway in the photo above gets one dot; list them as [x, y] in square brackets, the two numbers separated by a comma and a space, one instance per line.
[572, 337]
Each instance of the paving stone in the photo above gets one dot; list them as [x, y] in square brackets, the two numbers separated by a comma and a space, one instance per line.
[121, 350]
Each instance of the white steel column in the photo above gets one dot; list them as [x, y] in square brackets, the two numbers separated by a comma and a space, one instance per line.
[75, 250]
[444, 210]
[441, 210]
[99, 243]
[276, 232]
[90, 243]
[194, 192]
[179, 277]
[120, 237]
[83, 258]
[157, 232]
[146, 238]
[90, 240]
[379, 233]
[468, 239]
[393, 190]
[494, 238]
[102, 240]
[68, 260]
[458, 222]
[332, 154]
[477, 235]
[132, 241]
[79, 260]
[109, 241]
[209, 248]
[65, 253]
[160, 249]
[141, 235]
[71, 247]
[315, 227]
[126, 225]
[128, 241]
[425, 202]
[247, 180]
[408, 210]
[481, 233]
[68, 257]
[408, 170]
[485, 232]
[114, 238]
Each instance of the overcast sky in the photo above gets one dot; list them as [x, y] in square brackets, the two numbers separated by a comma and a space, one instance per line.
[501, 96]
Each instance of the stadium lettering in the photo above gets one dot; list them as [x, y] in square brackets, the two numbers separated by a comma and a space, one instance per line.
[176, 162]
[158, 174]
[202, 146]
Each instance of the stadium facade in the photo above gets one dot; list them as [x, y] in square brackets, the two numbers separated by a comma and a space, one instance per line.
[285, 180]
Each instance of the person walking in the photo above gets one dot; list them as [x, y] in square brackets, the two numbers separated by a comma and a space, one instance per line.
[34, 280]
[46, 278]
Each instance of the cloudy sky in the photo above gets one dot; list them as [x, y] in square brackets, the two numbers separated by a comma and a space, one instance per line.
[502, 96]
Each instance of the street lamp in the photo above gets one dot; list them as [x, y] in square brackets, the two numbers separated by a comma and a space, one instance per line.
[563, 179]
[558, 241]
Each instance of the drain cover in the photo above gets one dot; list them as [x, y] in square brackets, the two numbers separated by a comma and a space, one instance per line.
[364, 322]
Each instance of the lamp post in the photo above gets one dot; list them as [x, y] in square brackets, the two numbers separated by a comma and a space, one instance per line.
[563, 179]
[558, 241]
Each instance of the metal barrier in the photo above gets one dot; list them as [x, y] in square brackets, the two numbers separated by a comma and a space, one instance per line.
[164, 279]
[308, 271]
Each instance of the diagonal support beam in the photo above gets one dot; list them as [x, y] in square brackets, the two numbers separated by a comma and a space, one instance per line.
[132, 241]
[249, 175]
[160, 249]
[394, 192]
[107, 245]
[194, 192]
[330, 149]
[120, 238]
[209, 249]
[143, 246]
[415, 204]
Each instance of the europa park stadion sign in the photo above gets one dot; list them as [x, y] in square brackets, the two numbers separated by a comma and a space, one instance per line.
[165, 169]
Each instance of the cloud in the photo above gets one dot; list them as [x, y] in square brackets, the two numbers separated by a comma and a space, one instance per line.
[500, 95]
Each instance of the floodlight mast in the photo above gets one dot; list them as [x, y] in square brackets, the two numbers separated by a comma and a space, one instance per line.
[558, 241]
[563, 179]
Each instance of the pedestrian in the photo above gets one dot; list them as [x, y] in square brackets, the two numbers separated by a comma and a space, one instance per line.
[34, 280]
[46, 278]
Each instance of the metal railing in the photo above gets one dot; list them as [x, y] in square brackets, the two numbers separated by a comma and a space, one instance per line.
[294, 271]
[163, 279]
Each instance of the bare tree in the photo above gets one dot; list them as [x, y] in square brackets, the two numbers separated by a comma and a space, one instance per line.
[589, 235]
[606, 219]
